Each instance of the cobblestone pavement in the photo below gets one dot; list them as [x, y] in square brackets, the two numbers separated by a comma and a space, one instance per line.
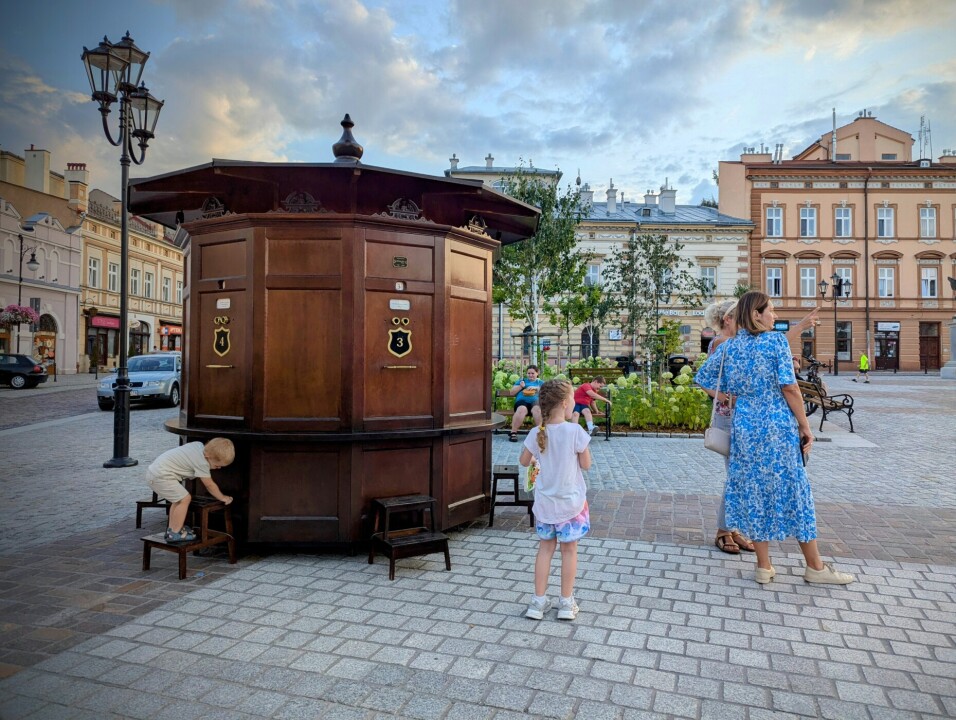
[70, 395]
[669, 626]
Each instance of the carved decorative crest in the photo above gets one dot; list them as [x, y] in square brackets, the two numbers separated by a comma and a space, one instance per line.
[404, 209]
[477, 225]
[299, 201]
[212, 208]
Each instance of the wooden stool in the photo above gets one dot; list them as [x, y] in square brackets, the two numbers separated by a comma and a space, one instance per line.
[406, 542]
[204, 537]
[154, 503]
[507, 472]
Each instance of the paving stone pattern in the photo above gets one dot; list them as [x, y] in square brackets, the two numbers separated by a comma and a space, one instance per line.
[669, 627]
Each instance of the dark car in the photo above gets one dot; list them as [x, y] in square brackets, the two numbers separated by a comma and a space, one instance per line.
[152, 378]
[21, 371]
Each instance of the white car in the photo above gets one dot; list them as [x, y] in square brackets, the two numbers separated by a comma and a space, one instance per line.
[152, 378]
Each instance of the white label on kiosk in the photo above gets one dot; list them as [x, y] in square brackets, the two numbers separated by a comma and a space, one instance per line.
[223, 303]
[399, 305]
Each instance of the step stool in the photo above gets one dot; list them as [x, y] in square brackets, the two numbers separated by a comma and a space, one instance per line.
[510, 473]
[409, 541]
[204, 537]
[154, 503]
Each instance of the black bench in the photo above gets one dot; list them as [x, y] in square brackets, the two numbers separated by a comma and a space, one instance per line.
[814, 397]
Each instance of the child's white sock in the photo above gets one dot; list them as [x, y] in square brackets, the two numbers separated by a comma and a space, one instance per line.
[539, 599]
[591, 426]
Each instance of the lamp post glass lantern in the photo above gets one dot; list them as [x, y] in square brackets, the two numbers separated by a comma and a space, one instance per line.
[115, 72]
[841, 289]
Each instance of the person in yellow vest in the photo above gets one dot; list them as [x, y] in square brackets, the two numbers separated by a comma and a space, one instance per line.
[864, 370]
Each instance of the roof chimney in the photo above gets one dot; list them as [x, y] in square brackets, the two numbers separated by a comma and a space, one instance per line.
[454, 161]
[37, 164]
[77, 181]
[611, 198]
[489, 161]
[650, 198]
[668, 199]
[587, 194]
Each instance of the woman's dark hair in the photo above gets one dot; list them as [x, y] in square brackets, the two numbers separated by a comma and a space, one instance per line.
[751, 302]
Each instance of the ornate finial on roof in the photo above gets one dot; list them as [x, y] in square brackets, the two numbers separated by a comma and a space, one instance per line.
[578, 181]
[346, 150]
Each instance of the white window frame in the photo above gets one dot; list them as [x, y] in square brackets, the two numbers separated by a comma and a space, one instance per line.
[93, 272]
[846, 273]
[774, 221]
[808, 222]
[179, 292]
[886, 222]
[112, 277]
[886, 281]
[927, 222]
[929, 282]
[592, 278]
[147, 284]
[708, 273]
[808, 281]
[843, 222]
[774, 280]
[134, 281]
[166, 289]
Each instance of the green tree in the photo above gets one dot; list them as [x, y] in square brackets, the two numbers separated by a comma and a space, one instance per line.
[648, 272]
[547, 265]
[590, 308]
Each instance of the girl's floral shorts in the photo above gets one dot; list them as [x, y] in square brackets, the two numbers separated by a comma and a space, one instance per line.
[568, 531]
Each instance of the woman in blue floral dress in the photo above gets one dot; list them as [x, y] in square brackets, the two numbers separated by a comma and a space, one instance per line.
[768, 495]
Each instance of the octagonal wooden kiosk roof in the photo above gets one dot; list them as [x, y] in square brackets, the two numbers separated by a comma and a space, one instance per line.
[236, 186]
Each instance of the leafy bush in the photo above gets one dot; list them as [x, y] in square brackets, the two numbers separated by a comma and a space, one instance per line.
[668, 405]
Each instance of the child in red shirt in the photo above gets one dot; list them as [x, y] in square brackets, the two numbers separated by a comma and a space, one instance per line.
[584, 396]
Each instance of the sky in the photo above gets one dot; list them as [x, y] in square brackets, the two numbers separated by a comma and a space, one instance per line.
[641, 92]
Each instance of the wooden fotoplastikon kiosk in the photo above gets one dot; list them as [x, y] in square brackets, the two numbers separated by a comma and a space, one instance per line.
[337, 328]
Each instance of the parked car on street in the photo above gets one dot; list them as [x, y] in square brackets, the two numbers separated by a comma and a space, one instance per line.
[152, 378]
[21, 371]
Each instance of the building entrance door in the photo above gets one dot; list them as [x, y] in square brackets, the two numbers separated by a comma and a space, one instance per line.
[886, 346]
[929, 346]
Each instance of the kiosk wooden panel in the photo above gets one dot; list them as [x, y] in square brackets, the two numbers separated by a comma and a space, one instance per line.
[341, 337]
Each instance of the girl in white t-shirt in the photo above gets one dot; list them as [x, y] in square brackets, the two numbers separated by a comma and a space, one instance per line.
[560, 450]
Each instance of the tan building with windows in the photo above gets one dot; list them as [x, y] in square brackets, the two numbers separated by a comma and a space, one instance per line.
[155, 285]
[55, 201]
[715, 245]
[865, 212]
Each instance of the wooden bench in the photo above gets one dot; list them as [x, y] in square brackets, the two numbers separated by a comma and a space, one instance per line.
[508, 414]
[204, 538]
[407, 541]
[600, 417]
[813, 396]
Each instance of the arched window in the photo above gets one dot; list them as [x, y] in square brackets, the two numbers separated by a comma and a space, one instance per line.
[590, 343]
[47, 324]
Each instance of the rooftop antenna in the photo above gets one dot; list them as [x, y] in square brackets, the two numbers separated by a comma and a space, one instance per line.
[925, 138]
[833, 153]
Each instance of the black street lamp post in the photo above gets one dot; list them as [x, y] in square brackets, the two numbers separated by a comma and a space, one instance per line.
[841, 289]
[114, 72]
[32, 264]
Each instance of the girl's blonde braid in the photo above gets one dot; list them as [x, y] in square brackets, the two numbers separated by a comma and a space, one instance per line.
[552, 394]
